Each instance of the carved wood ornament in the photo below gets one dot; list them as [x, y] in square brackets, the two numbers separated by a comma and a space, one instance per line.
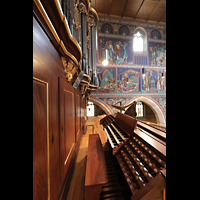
[69, 69]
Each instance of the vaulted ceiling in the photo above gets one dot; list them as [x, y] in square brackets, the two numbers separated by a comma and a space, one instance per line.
[137, 10]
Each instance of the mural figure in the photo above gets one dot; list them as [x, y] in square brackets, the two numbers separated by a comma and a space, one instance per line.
[162, 84]
[146, 82]
[125, 56]
[107, 30]
[101, 42]
[107, 80]
[130, 47]
[161, 61]
[124, 30]
[153, 55]
[158, 82]
[117, 49]
[128, 81]
[155, 34]
[153, 81]
[110, 49]
[157, 55]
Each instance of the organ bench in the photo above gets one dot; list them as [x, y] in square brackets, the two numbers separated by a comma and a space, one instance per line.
[96, 175]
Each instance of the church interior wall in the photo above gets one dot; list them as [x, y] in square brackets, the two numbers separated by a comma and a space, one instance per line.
[122, 78]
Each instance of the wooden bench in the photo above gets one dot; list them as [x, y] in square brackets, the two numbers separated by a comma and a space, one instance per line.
[96, 174]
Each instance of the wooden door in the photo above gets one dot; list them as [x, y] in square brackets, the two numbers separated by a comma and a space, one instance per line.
[41, 176]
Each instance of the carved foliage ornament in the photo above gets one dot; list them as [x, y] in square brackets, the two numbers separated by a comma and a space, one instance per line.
[92, 21]
[82, 8]
[69, 69]
[76, 17]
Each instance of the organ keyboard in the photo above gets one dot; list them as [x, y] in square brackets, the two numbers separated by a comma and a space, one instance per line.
[140, 150]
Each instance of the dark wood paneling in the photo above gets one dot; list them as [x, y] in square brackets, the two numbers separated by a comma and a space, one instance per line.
[67, 126]
[54, 136]
[40, 136]
[48, 70]
[78, 116]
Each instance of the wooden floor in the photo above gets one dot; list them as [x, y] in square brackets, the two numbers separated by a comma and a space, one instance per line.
[76, 190]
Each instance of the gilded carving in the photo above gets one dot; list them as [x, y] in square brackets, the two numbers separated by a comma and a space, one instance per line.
[92, 22]
[76, 17]
[69, 69]
[82, 8]
[88, 42]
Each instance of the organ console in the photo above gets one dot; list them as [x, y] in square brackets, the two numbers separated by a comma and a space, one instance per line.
[140, 150]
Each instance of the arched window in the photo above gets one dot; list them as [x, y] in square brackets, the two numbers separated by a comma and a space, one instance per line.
[139, 109]
[139, 41]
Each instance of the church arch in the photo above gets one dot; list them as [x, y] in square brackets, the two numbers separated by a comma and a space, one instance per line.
[160, 117]
[102, 105]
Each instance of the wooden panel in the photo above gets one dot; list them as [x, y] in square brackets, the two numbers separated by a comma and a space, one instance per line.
[160, 10]
[146, 9]
[117, 7]
[41, 176]
[67, 126]
[152, 190]
[83, 111]
[150, 140]
[53, 144]
[78, 116]
[125, 122]
[132, 8]
[54, 136]
[102, 6]
[47, 66]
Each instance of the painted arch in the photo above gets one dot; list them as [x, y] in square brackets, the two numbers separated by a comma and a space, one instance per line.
[102, 105]
[160, 116]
